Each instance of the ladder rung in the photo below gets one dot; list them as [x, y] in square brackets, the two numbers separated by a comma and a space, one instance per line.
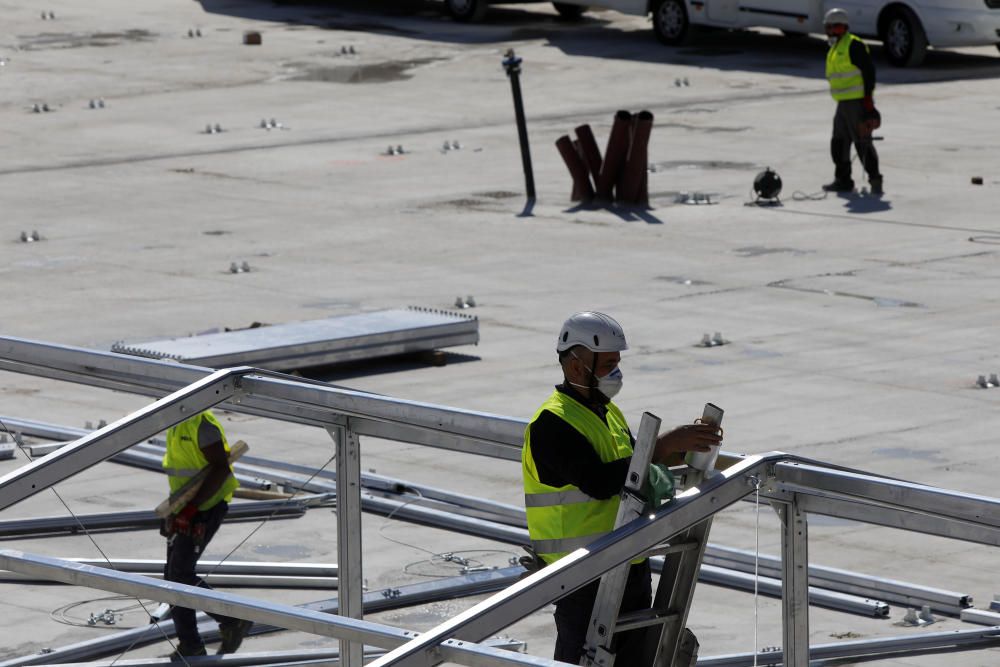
[667, 548]
[644, 618]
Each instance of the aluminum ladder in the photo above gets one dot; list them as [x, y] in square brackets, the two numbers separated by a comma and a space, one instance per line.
[667, 642]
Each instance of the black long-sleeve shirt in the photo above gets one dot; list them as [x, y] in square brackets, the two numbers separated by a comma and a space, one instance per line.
[862, 59]
[563, 456]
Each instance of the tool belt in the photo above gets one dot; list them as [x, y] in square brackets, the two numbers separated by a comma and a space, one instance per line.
[196, 530]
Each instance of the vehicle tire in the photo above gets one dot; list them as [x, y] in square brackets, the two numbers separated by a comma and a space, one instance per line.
[904, 39]
[670, 22]
[466, 11]
[569, 12]
[794, 34]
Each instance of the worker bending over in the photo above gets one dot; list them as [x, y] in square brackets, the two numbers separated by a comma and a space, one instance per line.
[577, 451]
[193, 445]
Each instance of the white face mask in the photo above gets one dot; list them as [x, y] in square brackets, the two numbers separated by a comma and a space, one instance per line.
[832, 40]
[609, 385]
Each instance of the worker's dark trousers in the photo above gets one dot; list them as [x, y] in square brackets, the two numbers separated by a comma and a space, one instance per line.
[573, 619]
[182, 558]
[849, 115]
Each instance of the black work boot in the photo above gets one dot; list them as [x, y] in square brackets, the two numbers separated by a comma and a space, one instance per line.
[876, 184]
[839, 185]
[232, 635]
[187, 650]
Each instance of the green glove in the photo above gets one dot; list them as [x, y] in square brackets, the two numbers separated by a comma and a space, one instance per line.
[659, 485]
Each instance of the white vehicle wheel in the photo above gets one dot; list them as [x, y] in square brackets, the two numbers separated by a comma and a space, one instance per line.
[904, 39]
[569, 12]
[466, 11]
[670, 22]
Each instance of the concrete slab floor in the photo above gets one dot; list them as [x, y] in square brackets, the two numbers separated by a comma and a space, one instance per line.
[858, 326]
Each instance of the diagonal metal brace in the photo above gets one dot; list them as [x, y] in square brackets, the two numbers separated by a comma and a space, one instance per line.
[104, 443]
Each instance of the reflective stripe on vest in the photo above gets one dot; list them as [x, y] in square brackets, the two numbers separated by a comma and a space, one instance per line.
[556, 498]
[846, 82]
[184, 458]
[562, 519]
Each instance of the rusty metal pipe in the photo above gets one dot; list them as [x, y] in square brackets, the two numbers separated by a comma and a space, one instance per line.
[631, 184]
[589, 150]
[577, 169]
[615, 154]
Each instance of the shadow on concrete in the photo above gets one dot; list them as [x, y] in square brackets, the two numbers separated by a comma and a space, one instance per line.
[626, 213]
[594, 36]
[865, 203]
[334, 373]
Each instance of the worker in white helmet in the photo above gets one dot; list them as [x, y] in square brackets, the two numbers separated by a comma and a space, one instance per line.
[851, 74]
[577, 451]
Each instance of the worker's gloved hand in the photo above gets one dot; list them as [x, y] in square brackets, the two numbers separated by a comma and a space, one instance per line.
[659, 485]
[871, 119]
[183, 519]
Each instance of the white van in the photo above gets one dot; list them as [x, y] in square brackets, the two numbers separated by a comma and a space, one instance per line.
[906, 27]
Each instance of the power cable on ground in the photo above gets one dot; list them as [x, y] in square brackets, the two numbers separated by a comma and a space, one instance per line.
[461, 558]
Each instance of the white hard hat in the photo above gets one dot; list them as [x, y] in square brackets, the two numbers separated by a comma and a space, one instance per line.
[595, 331]
[835, 16]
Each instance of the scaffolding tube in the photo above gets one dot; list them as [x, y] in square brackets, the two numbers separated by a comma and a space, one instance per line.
[213, 579]
[241, 567]
[711, 574]
[315, 657]
[869, 649]
[844, 581]
[139, 519]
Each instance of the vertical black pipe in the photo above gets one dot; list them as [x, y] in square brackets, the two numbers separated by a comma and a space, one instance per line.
[512, 64]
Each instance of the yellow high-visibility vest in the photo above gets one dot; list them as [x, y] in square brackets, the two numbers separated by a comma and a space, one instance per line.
[846, 82]
[564, 518]
[184, 458]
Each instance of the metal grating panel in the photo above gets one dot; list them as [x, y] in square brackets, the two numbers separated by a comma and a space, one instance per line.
[318, 342]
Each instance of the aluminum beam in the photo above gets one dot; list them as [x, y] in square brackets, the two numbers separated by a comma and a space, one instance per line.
[215, 580]
[285, 616]
[821, 597]
[795, 582]
[815, 502]
[140, 519]
[909, 496]
[869, 649]
[115, 437]
[318, 342]
[845, 581]
[240, 567]
[273, 395]
[255, 472]
[349, 536]
[313, 657]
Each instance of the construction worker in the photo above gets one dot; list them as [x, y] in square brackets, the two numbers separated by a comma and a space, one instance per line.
[577, 451]
[851, 74]
[192, 445]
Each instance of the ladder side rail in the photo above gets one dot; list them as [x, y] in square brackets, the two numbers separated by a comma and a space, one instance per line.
[675, 593]
[600, 634]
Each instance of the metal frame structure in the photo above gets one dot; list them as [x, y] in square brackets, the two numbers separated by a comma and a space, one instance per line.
[793, 485]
